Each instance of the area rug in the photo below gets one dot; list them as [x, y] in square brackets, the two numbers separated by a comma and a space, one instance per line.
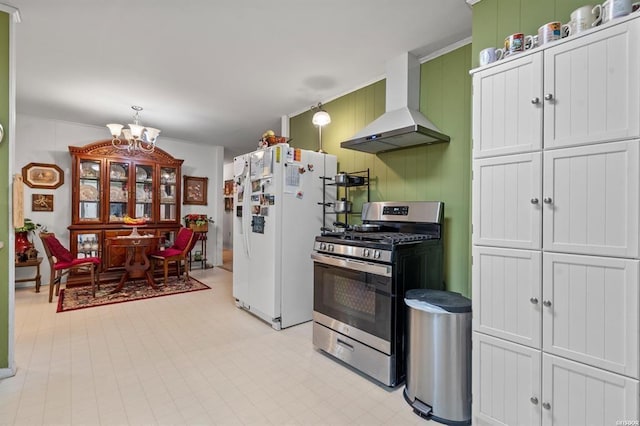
[80, 297]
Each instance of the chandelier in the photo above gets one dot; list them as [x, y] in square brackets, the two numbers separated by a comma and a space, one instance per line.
[137, 137]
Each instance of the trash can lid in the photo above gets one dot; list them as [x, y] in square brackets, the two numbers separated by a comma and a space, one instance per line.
[447, 300]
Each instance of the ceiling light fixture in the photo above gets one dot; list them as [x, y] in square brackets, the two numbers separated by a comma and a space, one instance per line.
[137, 137]
[320, 119]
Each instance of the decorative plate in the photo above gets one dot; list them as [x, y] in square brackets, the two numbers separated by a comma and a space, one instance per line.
[140, 195]
[116, 194]
[88, 193]
[118, 172]
[141, 175]
[88, 170]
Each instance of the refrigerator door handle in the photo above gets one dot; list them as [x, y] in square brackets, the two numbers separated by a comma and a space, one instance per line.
[246, 213]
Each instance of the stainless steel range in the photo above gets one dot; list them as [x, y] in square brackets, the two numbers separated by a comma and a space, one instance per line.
[360, 277]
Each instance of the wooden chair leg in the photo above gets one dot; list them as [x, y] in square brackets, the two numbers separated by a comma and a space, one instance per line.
[93, 282]
[58, 281]
[166, 272]
[52, 283]
[186, 269]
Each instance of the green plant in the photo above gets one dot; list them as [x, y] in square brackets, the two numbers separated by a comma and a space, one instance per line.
[30, 226]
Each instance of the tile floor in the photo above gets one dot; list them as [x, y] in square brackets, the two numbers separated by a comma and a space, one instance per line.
[186, 359]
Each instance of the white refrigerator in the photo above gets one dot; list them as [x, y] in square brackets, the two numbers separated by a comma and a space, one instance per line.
[277, 213]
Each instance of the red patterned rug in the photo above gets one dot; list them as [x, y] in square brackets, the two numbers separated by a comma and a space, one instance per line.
[73, 298]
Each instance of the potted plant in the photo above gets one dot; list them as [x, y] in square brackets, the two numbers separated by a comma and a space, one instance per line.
[198, 222]
[22, 242]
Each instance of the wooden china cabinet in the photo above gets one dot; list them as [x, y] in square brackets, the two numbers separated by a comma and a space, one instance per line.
[110, 183]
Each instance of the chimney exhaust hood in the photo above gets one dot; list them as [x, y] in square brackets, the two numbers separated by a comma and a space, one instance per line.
[402, 125]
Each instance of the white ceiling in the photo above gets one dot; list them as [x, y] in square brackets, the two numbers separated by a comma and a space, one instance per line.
[217, 72]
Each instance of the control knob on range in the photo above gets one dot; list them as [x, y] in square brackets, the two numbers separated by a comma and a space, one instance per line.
[331, 247]
[323, 246]
[366, 253]
[376, 254]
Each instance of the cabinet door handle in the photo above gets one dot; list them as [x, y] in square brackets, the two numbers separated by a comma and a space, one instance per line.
[534, 400]
[548, 96]
[534, 201]
[547, 200]
[546, 406]
[534, 300]
[546, 303]
[535, 100]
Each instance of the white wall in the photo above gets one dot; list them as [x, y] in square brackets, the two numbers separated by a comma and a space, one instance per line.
[46, 141]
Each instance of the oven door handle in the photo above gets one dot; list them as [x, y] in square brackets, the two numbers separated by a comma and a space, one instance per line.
[356, 265]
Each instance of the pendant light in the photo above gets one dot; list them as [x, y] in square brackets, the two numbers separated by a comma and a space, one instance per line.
[320, 119]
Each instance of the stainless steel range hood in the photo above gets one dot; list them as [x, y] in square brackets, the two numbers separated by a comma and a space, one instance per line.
[402, 125]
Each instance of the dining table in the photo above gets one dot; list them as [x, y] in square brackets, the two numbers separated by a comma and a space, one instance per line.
[137, 263]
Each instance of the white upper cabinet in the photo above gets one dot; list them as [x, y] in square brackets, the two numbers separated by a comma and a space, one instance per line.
[590, 310]
[581, 91]
[507, 201]
[591, 88]
[507, 108]
[590, 199]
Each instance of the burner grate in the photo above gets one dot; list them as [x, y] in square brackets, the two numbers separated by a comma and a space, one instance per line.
[388, 237]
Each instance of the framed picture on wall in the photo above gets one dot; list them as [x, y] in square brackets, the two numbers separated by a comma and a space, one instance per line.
[195, 190]
[43, 176]
[228, 187]
[42, 202]
[228, 204]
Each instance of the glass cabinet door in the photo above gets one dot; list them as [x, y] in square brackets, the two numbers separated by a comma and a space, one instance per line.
[88, 244]
[168, 194]
[144, 192]
[118, 191]
[89, 190]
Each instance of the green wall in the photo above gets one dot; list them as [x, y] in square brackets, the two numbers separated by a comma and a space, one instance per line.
[493, 20]
[434, 172]
[4, 190]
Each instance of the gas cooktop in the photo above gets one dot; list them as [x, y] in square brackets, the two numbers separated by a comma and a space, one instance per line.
[395, 223]
[380, 241]
[382, 237]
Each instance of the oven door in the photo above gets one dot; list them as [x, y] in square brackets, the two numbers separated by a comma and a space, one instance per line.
[354, 298]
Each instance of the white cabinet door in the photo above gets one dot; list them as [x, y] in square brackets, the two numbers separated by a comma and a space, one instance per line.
[507, 201]
[575, 394]
[506, 382]
[507, 109]
[507, 294]
[590, 310]
[594, 88]
[591, 199]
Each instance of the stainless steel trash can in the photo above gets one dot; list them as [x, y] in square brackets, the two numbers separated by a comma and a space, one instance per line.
[438, 384]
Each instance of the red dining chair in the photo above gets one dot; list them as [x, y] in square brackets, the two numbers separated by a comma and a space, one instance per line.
[178, 253]
[62, 262]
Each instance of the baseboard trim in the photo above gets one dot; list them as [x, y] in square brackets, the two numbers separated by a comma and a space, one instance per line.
[7, 372]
